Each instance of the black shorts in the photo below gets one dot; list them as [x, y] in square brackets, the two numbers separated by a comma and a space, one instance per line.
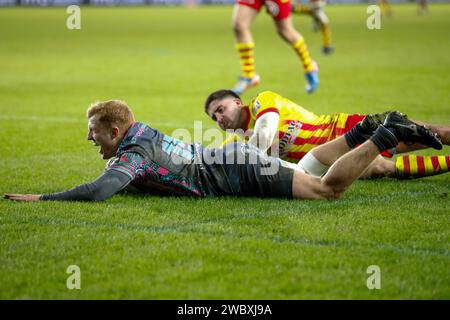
[247, 171]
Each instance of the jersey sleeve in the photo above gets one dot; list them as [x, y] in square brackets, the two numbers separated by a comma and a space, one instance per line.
[120, 171]
[263, 103]
[129, 163]
[105, 186]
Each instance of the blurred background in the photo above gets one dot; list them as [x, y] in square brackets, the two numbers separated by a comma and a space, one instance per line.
[166, 2]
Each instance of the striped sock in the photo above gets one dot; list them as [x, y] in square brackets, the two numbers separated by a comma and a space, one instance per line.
[246, 56]
[301, 9]
[326, 35]
[412, 166]
[302, 51]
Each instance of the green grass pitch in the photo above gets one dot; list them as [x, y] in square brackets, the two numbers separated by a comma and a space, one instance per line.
[164, 61]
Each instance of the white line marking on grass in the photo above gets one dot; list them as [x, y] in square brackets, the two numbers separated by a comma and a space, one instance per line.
[55, 119]
[39, 118]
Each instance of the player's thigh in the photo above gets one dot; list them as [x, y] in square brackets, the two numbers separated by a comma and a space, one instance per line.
[244, 14]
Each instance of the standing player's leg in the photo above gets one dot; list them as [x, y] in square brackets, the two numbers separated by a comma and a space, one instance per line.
[243, 16]
[385, 8]
[319, 15]
[316, 9]
[281, 13]
[423, 7]
[299, 8]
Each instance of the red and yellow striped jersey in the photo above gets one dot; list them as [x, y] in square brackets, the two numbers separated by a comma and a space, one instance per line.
[299, 130]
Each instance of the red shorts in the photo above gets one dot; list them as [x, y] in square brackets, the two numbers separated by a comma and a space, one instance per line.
[278, 9]
[352, 120]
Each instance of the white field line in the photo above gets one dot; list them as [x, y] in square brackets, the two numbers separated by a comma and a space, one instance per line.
[154, 124]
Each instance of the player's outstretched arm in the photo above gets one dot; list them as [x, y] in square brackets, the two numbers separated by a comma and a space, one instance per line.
[104, 187]
[22, 197]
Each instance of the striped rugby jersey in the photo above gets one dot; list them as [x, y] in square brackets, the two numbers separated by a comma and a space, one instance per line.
[299, 130]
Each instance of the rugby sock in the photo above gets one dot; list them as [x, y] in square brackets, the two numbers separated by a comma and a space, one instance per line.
[412, 166]
[326, 35]
[384, 139]
[301, 9]
[302, 51]
[246, 56]
[356, 136]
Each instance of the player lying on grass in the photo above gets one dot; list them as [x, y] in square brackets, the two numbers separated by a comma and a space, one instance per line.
[271, 120]
[148, 161]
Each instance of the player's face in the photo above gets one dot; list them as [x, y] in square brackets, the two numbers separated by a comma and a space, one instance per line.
[226, 112]
[103, 136]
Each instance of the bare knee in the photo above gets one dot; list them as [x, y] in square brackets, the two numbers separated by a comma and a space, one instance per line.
[288, 33]
[240, 28]
[283, 33]
[320, 16]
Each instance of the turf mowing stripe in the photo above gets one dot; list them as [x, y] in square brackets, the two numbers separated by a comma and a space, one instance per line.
[194, 228]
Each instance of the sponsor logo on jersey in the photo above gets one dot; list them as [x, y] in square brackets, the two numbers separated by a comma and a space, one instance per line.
[289, 137]
[273, 8]
[256, 107]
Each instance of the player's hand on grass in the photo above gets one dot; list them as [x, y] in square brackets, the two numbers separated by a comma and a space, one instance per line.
[22, 197]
